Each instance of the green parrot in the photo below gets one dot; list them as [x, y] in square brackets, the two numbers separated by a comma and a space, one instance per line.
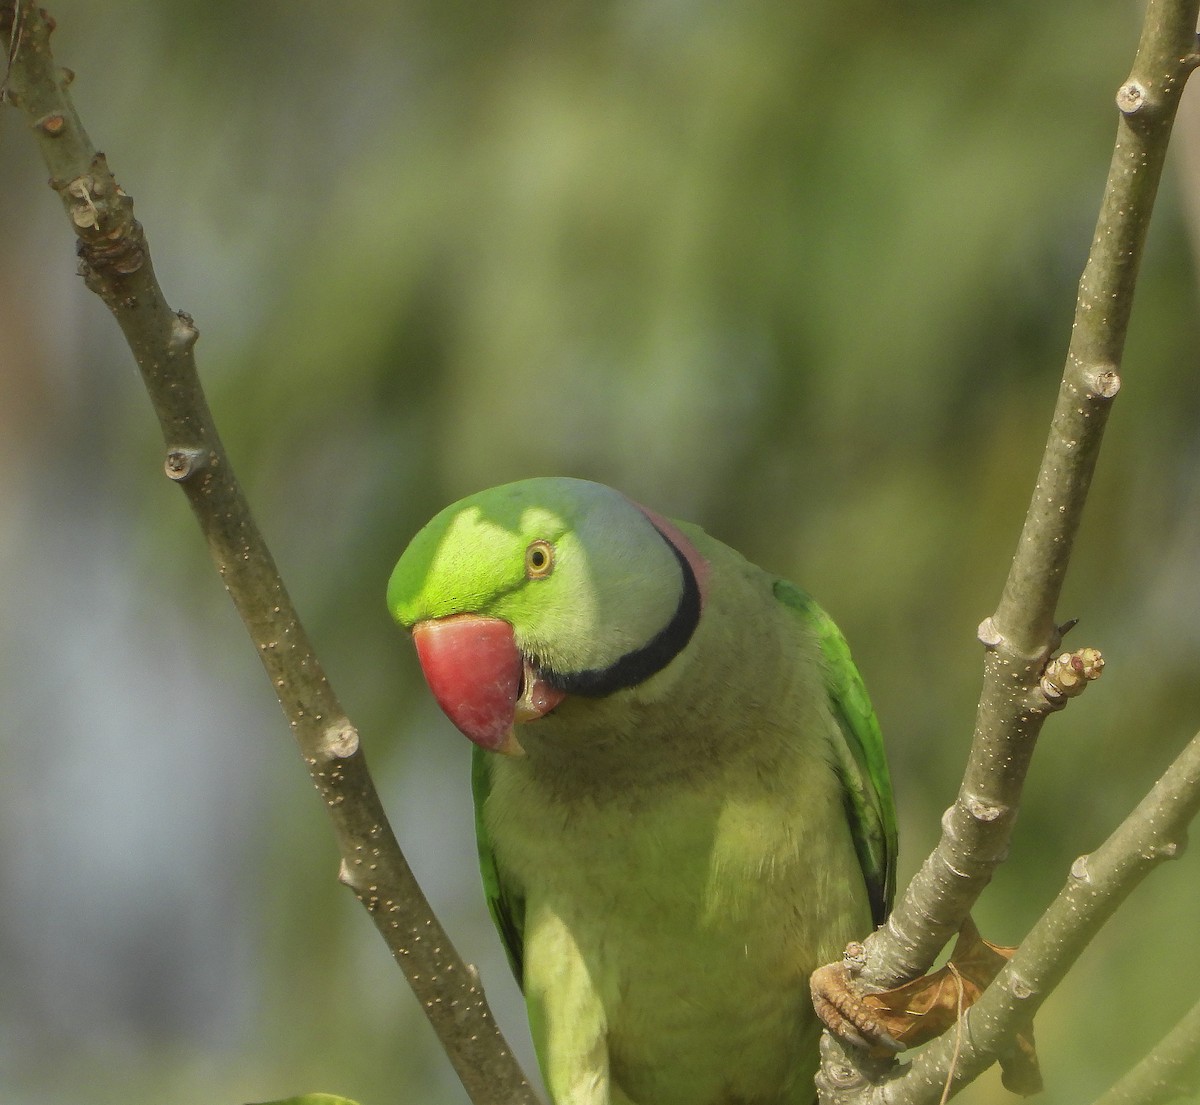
[681, 798]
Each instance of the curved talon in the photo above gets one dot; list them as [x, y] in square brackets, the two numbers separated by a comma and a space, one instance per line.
[842, 1010]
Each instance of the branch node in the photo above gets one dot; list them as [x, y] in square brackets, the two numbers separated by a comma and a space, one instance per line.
[1103, 382]
[989, 634]
[111, 240]
[84, 213]
[982, 810]
[121, 251]
[1080, 870]
[52, 125]
[340, 740]
[1131, 98]
[183, 333]
[1020, 987]
[183, 463]
[1168, 849]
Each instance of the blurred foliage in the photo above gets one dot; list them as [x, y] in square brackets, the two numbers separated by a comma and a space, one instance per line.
[803, 274]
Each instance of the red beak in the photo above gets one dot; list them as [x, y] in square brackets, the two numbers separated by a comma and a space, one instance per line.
[474, 669]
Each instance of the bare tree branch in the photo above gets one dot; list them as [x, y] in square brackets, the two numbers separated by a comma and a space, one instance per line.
[115, 263]
[1022, 633]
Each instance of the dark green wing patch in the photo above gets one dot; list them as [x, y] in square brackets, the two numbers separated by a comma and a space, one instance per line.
[505, 905]
[858, 757]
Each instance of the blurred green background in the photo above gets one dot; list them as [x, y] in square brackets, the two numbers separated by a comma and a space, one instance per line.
[803, 274]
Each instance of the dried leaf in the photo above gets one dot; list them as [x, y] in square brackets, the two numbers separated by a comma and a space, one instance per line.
[926, 1007]
[1019, 1070]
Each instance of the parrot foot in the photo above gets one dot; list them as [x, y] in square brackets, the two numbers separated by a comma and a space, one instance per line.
[913, 1013]
[840, 1005]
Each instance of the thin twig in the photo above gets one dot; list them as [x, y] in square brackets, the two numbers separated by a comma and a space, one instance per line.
[115, 263]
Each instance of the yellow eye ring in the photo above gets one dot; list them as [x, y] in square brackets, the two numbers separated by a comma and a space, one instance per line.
[539, 559]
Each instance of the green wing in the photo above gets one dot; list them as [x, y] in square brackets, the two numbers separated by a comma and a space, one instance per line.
[858, 756]
[505, 905]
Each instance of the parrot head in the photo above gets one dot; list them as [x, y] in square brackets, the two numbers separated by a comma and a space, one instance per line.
[523, 595]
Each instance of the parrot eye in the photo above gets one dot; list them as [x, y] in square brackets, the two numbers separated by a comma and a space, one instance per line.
[539, 559]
